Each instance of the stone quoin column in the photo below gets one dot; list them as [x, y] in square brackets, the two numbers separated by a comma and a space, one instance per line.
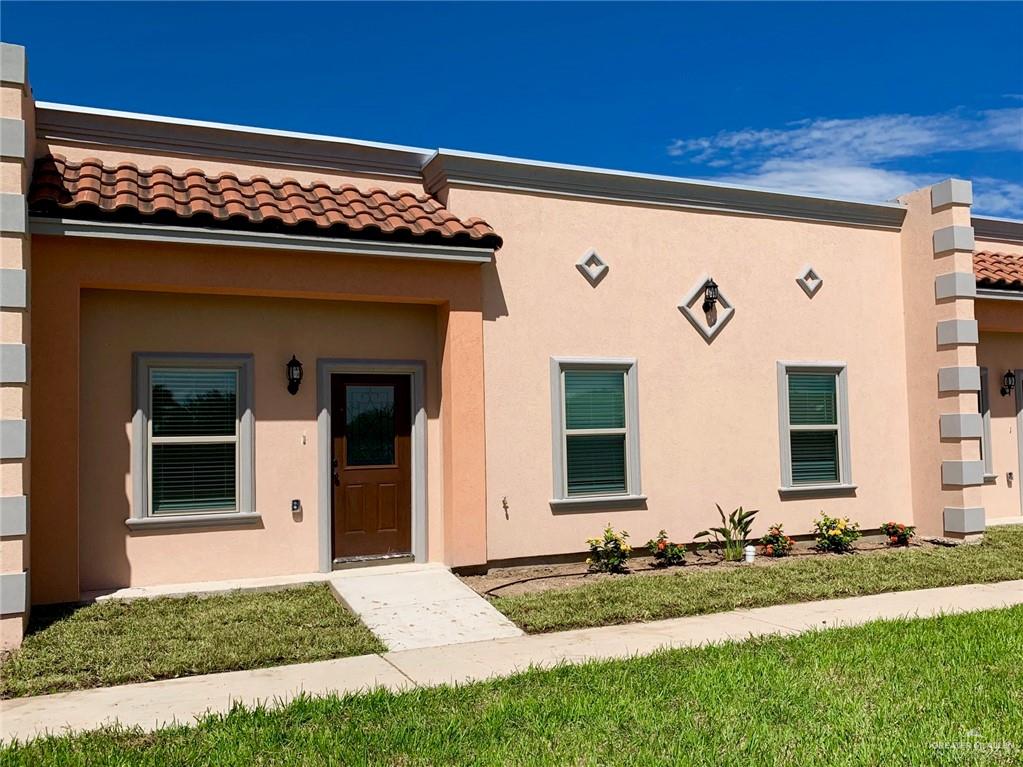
[17, 132]
[939, 288]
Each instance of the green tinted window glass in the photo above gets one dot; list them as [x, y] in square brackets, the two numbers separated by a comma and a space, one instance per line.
[812, 399]
[594, 399]
[596, 464]
[193, 477]
[814, 457]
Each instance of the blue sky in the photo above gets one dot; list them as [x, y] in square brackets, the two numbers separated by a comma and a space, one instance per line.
[863, 101]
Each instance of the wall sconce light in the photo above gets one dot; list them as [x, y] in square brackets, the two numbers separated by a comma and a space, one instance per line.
[710, 295]
[294, 368]
[1008, 383]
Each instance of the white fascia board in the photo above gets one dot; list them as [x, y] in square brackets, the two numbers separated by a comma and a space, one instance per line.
[193, 235]
[437, 168]
[1000, 295]
[453, 167]
[998, 229]
[200, 138]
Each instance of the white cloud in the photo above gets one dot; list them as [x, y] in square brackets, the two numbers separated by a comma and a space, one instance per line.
[854, 157]
[997, 197]
[858, 182]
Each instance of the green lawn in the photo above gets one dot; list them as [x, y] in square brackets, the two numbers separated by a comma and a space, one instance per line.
[679, 592]
[945, 690]
[118, 642]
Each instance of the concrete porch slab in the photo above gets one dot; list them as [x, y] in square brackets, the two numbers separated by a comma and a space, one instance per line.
[207, 588]
[425, 605]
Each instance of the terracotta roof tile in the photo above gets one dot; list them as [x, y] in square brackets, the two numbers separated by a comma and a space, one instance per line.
[88, 189]
[998, 270]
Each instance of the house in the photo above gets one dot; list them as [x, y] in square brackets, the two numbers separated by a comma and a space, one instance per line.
[231, 352]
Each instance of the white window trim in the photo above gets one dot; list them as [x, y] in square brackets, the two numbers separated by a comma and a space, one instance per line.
[633, 497]
[142, 441]
[845, 484]
[984, 406]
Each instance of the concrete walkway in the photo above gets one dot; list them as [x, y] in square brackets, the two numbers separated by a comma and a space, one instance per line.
[406, 606]
[154, 704]
[413, 606]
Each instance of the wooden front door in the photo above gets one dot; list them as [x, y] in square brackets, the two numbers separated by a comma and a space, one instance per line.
[371, 422]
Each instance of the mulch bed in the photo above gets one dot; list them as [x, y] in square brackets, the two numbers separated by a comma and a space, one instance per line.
[512, 581]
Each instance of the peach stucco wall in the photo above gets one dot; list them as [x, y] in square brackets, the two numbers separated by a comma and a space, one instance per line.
[708, 413]
[117, 323]
[273, 304]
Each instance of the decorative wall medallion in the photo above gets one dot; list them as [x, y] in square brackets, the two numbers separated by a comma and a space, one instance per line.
[593, 267]
[709, 321]
[810, 281]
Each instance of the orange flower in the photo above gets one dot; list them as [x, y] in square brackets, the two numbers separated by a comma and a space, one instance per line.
[769, 549]
[661, 545]
[894, 539]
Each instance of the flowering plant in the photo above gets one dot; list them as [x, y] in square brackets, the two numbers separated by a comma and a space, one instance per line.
[835, 533]
[776, 543]
[898, 534]
[609, 553]
[666, 553]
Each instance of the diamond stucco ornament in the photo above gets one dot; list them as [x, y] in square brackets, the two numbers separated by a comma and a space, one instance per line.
[592, 267]
[708, 323]
[810, 281]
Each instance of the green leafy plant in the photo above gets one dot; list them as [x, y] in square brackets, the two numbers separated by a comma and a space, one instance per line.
[897, 533]
[666, 553]
[731, 535]
[776, 543]
[835, 534]
[609, 553]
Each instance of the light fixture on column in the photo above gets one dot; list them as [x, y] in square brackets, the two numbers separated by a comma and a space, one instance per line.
[1008, 383]
[294, 368]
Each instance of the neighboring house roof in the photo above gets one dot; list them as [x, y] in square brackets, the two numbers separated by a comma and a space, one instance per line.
[1003, 271]
[90, 189]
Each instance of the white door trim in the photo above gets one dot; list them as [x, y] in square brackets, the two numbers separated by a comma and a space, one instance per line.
[416, 370]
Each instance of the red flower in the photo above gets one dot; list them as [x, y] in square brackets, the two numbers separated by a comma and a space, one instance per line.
[894, 539]
[661, 545]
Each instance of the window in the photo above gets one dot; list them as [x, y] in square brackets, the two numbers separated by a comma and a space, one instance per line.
[984, 405]
[192, 434]
[596, 431]
[813, 415]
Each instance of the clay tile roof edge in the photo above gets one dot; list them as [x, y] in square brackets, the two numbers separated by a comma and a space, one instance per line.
[92, 189]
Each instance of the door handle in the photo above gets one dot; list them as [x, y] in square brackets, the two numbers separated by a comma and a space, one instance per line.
[337, 477]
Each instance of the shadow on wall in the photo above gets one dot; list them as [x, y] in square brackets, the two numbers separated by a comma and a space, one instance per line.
[494, 304]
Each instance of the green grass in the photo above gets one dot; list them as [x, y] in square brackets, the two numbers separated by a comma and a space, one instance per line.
[117, 642]
[627, 599]
[880, 694]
